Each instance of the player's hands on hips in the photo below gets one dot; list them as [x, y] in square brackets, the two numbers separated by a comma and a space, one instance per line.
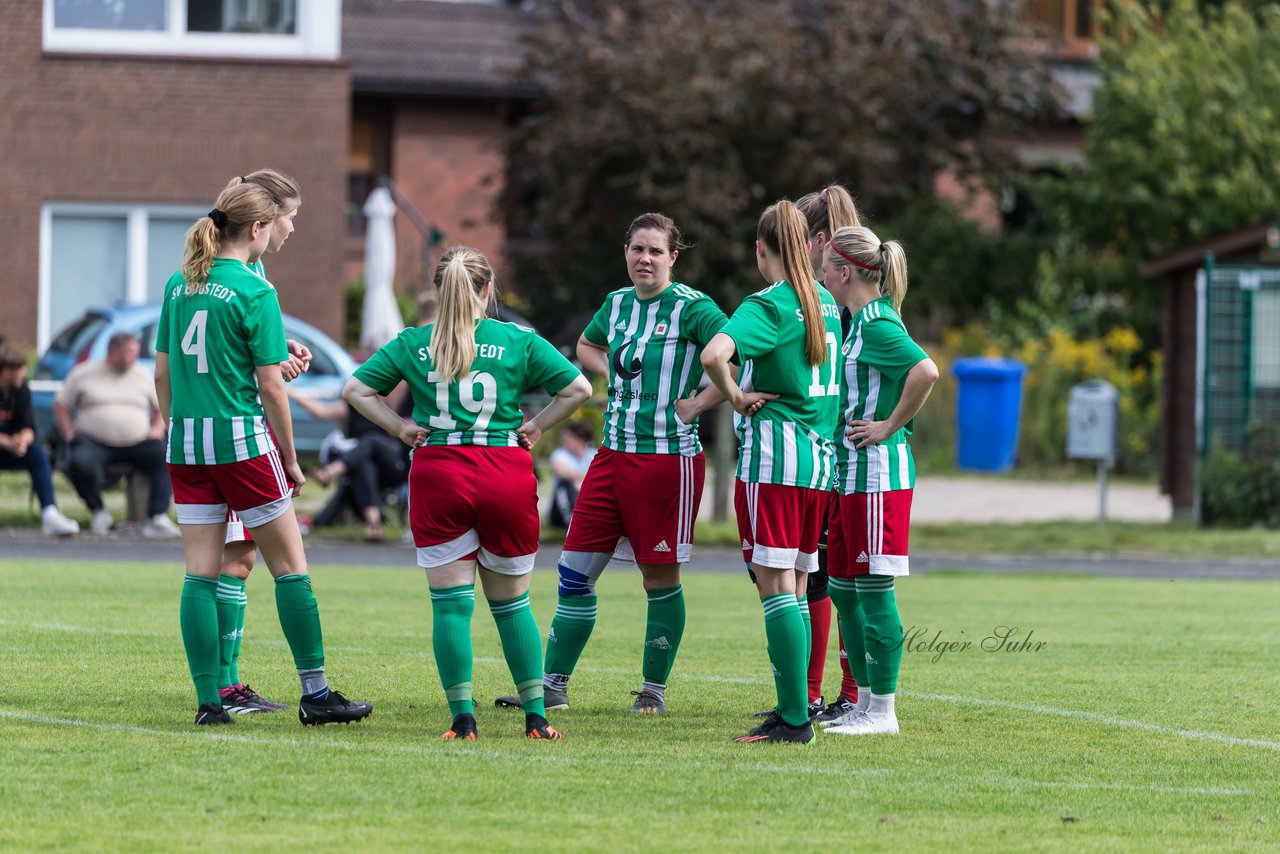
[864, 433]
[687, 409]
[749, 402]
[529, 434]
[293, 471]
[413, 435]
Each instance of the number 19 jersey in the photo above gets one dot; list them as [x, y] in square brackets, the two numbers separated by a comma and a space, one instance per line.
[788, 442]
[216, 337]
[483, 408]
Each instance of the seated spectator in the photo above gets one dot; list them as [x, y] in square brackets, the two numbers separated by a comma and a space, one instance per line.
[107, 413]
[18, 446]
[569, 464]
[364, 466]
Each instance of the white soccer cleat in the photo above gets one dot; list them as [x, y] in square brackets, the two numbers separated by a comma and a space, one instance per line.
[868, 725]
[850, 717]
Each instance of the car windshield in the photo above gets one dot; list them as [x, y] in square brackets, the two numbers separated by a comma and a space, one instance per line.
[74, 338]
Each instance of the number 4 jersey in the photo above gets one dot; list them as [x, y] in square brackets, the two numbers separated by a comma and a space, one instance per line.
[483, 408]
[216, 336]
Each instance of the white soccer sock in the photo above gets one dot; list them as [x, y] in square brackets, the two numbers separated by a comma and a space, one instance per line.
[864, 698]
[881, 705]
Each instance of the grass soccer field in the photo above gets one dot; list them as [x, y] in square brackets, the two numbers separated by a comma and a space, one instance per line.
[1149, 718]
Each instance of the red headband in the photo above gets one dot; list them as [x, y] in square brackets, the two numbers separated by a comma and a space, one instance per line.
[853, 261]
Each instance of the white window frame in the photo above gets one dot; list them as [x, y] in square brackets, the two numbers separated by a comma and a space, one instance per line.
[319, 37]
[137, 219]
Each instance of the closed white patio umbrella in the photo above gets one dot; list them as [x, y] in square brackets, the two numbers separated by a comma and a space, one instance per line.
[382, 321]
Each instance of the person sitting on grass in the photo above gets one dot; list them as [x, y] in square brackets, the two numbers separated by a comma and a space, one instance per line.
[18, 446]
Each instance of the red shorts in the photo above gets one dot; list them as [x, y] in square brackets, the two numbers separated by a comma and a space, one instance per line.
[639, 507]
[779, 525]
[236, 531]
[470, 501]
[258, 490]
[868, 534]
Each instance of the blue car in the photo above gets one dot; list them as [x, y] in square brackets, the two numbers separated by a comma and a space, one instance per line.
[86, 340]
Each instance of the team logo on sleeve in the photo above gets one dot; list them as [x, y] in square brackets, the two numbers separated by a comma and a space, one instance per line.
[623, 369]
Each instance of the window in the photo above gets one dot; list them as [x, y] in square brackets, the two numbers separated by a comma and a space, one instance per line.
[99, 255]
[269, 29]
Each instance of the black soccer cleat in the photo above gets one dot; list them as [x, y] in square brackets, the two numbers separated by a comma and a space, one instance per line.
[537, 728]
[334, 709]
[212, 714]
[463, 728]
[780, 732]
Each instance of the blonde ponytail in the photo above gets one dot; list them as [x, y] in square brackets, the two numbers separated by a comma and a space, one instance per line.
[830, 209]
[881, 264]
[894, 283]
[785, 232]
[460, 278]
[238, 207]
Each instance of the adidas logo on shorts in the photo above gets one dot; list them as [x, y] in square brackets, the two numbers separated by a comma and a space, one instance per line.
[745, 544]
[862, 558]
[659, 643]
[662, 547]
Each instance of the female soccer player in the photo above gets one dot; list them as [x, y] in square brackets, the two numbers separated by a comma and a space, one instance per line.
[219, 347]
[884, 380]
[473, 497]
[827, 211]
[239, 554]
[785, 338]
[642, 491]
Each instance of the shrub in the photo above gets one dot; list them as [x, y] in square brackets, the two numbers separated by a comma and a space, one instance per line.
[1241, 489]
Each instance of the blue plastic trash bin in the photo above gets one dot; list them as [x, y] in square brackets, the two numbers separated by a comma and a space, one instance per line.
[988, 409]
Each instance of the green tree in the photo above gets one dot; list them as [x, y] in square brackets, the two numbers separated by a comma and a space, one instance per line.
[710, 110]
[1184, 141]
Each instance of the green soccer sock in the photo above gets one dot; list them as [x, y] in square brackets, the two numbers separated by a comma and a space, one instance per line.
[300, 621]
[570, 629]
[198, 616]
[802, 602]
[789, 655]
[451, 610]
[882, 630]
[522, 647]
[844, 595]
[230, 592]
[662, 633]
[235, 653]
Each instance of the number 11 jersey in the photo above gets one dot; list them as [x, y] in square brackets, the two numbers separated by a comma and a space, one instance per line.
[482, 408]
[217, 332]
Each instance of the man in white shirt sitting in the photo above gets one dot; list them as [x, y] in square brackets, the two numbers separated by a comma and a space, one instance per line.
[107, 413]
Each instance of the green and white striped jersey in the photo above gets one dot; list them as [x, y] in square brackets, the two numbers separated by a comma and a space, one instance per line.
[655, 358]
[483, 408]
[788, 442]
[878, 354]
[216, 337]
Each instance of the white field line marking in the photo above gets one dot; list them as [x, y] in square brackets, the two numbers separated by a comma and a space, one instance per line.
[1123, 723]
[449, 751]
[492, 753]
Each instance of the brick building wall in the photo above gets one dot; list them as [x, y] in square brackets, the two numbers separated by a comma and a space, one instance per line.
[149, 130]
[446, 159]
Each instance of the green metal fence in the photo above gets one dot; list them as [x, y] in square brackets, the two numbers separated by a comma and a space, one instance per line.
[1238, 353]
